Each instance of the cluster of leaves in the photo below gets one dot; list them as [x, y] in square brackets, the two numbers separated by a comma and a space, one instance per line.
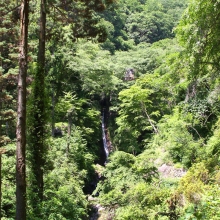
[8, 183]
[8, 70]
[134, 22]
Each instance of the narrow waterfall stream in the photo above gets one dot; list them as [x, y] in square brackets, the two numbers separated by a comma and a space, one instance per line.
[104, 138]
[97, 207]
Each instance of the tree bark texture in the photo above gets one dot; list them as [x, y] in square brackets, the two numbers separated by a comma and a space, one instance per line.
[0, 144]
[0, 184]
[2, 151]
[37, 133]
[21, 116]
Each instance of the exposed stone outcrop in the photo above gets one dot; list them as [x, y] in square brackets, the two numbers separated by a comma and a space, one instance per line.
[170, 171]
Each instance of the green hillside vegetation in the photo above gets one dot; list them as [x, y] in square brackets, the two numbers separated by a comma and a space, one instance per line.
[163, 124]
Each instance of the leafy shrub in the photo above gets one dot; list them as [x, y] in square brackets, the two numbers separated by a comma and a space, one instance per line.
[194, 183]
[176, 138]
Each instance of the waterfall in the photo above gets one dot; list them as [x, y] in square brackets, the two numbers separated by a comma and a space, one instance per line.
[104, 138]
[96, 208]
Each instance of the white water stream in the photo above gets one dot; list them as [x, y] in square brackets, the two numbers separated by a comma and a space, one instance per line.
[98, 207]
[104, 137]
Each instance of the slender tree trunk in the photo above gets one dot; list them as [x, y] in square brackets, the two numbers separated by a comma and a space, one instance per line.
[149, 119]
[42, 35]
[0, 153]
[21, 119]
[0, 185]
[0, 143]
[38, 119]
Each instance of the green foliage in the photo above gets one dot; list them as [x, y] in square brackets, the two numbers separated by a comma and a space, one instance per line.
[78, 152]
[143, 201]
[8, 70]
[8, 182]
[83, 114]
[141, 21]
[68, 104]
[64, 179]
[94, 67]
[63, 194]
[131, 212]
[144, 58]
[213, 142]
[198, 32]
[201, 193]
[141, 107]
[149, 27]
[208, 207]
[193, 184]
[118, 178]
[178, 136]
[130, 187]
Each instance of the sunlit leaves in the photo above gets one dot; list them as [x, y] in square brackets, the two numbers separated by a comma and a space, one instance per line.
[178, 135]
[130, 185]
[149, 27]
[198, 31]
[141, 107]
[65, 178]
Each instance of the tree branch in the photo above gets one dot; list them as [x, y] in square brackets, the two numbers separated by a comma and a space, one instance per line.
[11, 10]
[62, 13]
[152, 125]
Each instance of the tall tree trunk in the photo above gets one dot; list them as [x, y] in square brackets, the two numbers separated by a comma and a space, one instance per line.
[21, 119]
[0, 185]
[0, 142]
[2, 151]
[38, 119]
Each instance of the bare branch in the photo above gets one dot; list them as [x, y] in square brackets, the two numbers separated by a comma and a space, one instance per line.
[152, 125]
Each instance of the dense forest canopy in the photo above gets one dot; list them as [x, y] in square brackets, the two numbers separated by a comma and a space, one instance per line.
[143, 73]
